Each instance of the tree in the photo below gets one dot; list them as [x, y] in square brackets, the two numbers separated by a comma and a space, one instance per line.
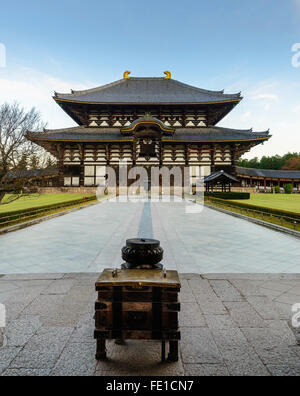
[15, 149]
[292, 163]
[50, 162]
[253, 163]
[288, 188]
[275, 162]
[23, 164]
[34, 162]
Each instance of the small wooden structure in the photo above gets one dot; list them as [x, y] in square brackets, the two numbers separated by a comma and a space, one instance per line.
[140, 304]
[219, 181]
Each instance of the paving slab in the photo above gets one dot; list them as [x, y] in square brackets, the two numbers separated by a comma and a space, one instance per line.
[137, 358]
[198, 347]
[244, 314]
[53, 334]
[90, 240]
[206, 370]
[226, 291]
[27, 372]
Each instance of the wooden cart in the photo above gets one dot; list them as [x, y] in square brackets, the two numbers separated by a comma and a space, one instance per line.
[138, 304]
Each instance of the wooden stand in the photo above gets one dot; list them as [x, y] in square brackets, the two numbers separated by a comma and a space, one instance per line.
[138, 304]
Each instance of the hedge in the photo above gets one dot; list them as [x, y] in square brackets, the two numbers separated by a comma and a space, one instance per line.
[279, 212]
[45, 208]
[228, 195]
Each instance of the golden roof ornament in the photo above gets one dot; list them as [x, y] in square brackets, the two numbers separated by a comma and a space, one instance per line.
[126, 75]
[168, 75]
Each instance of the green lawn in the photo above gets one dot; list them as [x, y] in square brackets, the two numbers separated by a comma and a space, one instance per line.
[290, 203]
[35, 201]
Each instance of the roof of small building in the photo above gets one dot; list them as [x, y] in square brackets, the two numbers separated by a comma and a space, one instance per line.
[202, 134]
[32, 173]
[269, 173]
[220, 175]
[140, 90]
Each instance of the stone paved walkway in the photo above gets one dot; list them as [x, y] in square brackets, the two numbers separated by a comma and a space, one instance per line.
[231, 325]
[91, 239]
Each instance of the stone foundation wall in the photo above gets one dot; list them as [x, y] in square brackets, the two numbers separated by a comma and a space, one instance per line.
[251, 190]
[93, 190]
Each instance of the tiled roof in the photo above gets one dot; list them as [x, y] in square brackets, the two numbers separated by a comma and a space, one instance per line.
[147, 90]
[276, 174]
[32, 173]
[219, 175]
[181, 134]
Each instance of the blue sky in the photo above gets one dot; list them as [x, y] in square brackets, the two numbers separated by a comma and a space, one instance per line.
[220, 44]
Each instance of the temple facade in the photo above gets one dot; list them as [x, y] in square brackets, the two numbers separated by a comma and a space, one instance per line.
[149, 122]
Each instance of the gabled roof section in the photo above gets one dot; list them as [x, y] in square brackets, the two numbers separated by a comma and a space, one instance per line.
[214, 177]
[147, 121]
[145, 90]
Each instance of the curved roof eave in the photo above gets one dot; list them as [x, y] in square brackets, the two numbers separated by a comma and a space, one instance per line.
[143, 90]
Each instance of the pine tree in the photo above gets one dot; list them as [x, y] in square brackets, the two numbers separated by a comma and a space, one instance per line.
[34, 162]
[50, 163]
[23, 163]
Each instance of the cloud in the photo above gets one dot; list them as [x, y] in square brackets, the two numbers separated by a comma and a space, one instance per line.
[267, 96]
[258, 109]
[32, 88]
[246, 116]
[274, 105]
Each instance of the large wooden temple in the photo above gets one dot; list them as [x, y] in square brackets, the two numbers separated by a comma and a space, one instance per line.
[149, 122]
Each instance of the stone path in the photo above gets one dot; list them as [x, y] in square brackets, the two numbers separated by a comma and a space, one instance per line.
[231, 325]
[91, 239]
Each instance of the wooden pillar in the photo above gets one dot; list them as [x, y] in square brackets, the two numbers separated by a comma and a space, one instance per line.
[101, 349]
[212, 158]
[174, 351]
[279, 183]
[134, 151]
[251, 181]
[61, 168]
[81, 175]
[293, 185]
[107, 154]
[160, 153]
[186, 155]
[233, 159]
[265, 184]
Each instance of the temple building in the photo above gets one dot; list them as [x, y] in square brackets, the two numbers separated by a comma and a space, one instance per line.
[149, 122]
